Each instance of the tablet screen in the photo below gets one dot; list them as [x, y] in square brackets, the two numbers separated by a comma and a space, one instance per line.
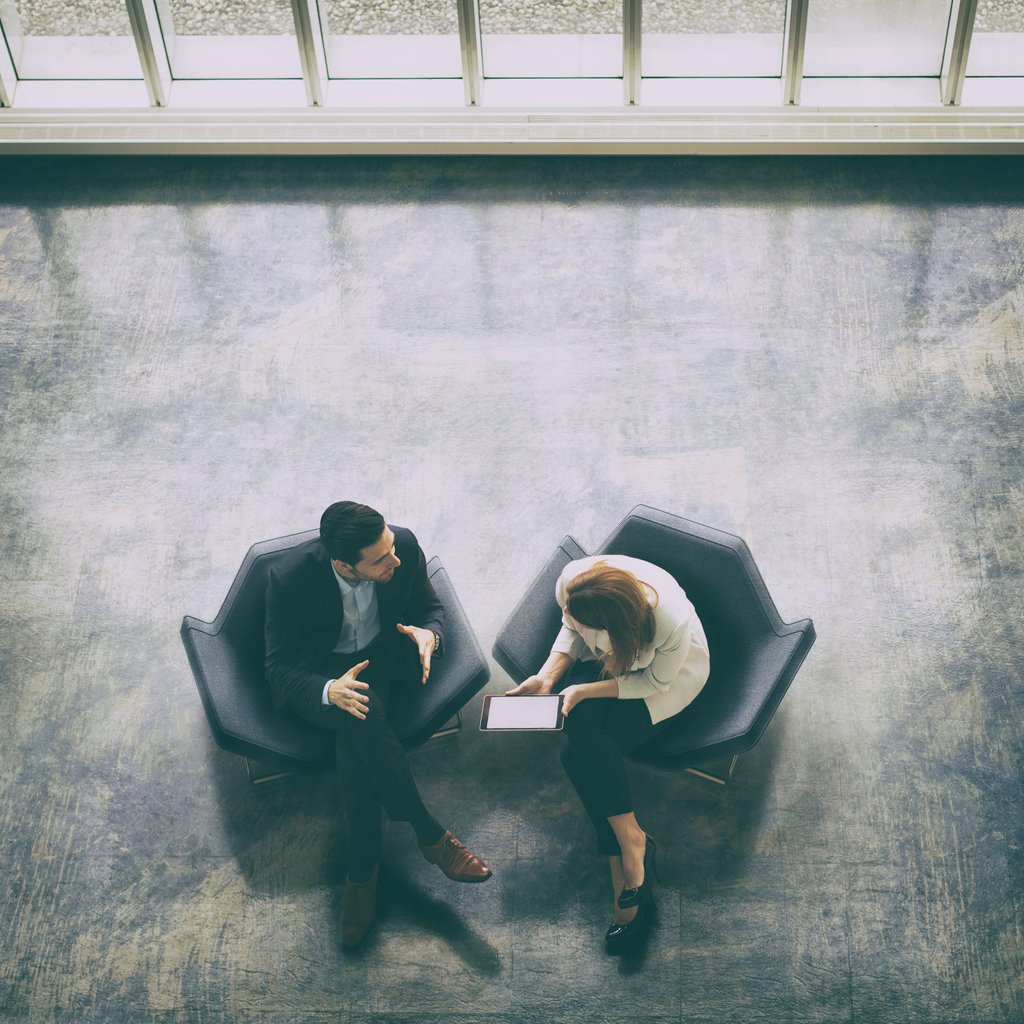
[528, 712]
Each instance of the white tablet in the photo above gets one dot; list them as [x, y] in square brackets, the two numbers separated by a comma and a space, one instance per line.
[530, 711]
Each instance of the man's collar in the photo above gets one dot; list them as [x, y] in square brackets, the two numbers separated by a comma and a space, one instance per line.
[345, 583]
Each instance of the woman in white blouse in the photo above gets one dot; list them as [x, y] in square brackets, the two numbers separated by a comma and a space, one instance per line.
[635, 621]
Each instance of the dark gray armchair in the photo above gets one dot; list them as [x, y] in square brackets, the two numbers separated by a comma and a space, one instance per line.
[754, 654]
[226, 656]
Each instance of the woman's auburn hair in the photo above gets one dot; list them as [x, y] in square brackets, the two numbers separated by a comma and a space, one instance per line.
[603, 597]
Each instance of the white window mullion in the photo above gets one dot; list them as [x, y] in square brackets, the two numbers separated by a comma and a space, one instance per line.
[958, 45]
[793, 52]
[632, 40]
[469, 41]
[10, 40]
[310, 40]
[152, 53]
[8, 80]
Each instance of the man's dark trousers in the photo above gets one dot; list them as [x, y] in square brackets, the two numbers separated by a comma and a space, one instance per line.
[374, 767]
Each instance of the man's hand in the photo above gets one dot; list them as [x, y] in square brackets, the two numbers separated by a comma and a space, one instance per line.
[534, 684]
[345, 692]
[424, 641]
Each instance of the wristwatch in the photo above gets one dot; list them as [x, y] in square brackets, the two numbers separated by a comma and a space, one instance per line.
[437, 641]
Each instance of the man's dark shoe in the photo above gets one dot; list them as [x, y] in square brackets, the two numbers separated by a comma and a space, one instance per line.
[455, 860]
[358, 908]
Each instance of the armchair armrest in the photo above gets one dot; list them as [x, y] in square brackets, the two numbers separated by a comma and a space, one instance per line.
[525, 639]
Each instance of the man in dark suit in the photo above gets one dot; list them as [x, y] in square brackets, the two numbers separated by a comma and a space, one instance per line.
[351, 617]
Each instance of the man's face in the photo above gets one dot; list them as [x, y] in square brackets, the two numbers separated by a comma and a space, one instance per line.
[378, 562]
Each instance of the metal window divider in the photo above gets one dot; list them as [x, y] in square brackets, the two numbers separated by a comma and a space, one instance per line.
[469, 45]
[632, 41]
[794, 44]
[309, 35]
[156, 70]
[6, 75]
[958, 44]
[11, 40]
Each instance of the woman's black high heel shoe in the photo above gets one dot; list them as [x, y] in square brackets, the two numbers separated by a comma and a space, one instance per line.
[635, 897]
[625, 938]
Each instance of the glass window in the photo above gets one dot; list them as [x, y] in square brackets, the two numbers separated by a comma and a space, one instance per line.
[683, 39]
[381, 39]
[230, 38]
[875, 38]
[57, 39]
[997, 46]
[551, 38]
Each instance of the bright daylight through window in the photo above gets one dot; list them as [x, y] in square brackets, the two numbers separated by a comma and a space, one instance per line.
[566, 56]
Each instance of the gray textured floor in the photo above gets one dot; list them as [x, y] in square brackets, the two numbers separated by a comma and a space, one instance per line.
[824, 356]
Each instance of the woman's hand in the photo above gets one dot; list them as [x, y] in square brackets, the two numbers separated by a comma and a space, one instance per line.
[534, 684]
[572, 695]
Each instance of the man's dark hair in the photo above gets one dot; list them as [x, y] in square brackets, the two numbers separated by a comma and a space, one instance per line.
[347, 527]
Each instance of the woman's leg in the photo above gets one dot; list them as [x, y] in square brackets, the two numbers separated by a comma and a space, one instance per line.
[598, 733]
[627, 870]
[578, 765]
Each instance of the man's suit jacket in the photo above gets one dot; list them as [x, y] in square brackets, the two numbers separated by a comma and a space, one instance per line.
[305, 615]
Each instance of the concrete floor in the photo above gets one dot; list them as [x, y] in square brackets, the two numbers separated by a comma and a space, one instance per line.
[825, 356]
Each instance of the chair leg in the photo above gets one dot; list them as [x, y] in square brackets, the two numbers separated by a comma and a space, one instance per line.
[711, 776]
[450, 729]
[258, 780]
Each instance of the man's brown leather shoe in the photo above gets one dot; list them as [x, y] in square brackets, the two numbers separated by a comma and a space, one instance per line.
[455, 860]
[358, 908]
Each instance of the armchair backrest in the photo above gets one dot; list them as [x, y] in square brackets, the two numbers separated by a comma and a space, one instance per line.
[715, 569]
[754, 654]
[240, 620]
